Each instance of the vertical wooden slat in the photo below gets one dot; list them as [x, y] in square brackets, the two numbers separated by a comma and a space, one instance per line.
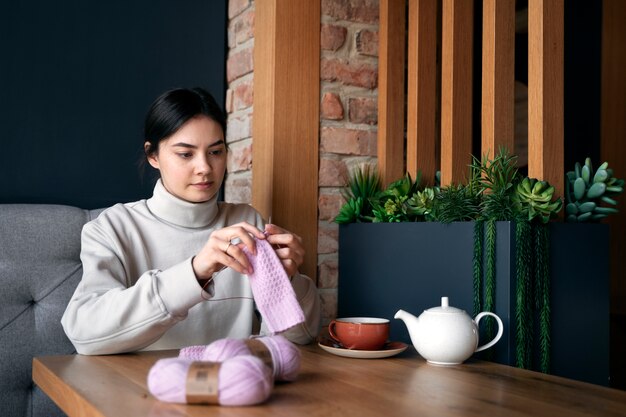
[545, 92]
[263, 124]
[613, 150]
[391, 90]
[285, 149]
[422, 89]
[456, 90]
[498, 76]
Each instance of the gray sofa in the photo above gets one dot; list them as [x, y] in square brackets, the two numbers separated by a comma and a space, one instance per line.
[39, 270]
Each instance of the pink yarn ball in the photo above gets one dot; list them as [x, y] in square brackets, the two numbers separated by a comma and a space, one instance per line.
[223, 349]
[242, 380]
[285, 355]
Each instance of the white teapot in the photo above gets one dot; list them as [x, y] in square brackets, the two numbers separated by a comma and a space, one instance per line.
[446, 335]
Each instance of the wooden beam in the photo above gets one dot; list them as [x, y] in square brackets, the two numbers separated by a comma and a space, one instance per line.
[545, 92]
[391, 90]
[421, 136]
[263, 123]
[613, 150]
[613, 136]
[498, 77]
[456, 90]
[286, 118]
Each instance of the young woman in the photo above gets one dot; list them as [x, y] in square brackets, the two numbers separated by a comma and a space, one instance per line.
[170, 271]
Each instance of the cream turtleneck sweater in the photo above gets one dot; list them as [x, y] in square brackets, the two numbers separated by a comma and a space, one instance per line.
[139, 291]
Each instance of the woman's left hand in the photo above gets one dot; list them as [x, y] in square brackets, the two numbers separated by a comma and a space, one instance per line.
[288, 247]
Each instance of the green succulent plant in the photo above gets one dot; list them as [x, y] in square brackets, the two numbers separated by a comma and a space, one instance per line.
[587, 192]
[533, 199]
[391, 204]
[422, 203]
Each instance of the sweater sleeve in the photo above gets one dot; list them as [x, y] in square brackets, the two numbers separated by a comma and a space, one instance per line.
[109, 314]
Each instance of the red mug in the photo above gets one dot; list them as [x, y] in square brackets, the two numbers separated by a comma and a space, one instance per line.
[360, 333]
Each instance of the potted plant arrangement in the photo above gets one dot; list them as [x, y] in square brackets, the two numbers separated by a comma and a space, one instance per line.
[494, 243]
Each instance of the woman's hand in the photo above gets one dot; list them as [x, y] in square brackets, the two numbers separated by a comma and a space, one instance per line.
[225, 249]
[288, 247]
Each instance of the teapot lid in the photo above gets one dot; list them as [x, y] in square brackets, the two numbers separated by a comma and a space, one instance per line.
[445, 308]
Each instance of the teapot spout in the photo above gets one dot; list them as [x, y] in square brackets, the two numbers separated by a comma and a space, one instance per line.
[411, 322]
[409, 319]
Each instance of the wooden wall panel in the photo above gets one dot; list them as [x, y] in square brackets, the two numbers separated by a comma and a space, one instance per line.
[421, 144]
[456, 90]
[391, 90]
[286, 118]
[498, 76]
[613, 134]
[613, 150]
[545, 92]
[263, 123]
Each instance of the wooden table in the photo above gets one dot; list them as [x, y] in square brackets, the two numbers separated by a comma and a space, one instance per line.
[330, 385]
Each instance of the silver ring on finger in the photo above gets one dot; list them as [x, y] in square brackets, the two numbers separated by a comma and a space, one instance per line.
[227, 247]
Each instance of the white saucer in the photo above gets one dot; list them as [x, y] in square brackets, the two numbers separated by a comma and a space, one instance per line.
[390, 349]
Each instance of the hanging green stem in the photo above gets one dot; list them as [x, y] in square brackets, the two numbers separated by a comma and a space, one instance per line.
[523, 312]
[542, 272]
[490, 274]
[478, 265]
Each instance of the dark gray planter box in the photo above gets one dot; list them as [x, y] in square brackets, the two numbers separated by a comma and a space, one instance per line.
[384, 267]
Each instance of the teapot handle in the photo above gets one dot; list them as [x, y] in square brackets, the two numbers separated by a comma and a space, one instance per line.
[500, 330]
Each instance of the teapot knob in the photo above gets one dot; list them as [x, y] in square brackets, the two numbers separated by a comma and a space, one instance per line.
[444, 302]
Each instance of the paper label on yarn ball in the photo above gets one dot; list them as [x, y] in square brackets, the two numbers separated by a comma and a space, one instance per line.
[258, 349]
[202, 383]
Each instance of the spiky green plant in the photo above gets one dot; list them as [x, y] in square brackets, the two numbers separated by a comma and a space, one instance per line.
[497, 178]
[456, 203]
[459, 202]
[363, 185]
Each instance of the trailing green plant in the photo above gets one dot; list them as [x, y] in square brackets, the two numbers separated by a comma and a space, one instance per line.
[477, 267]
[490, 273]
[542, 292]
[587, 193]
[535, 207]
[523, 310]
[495, 181]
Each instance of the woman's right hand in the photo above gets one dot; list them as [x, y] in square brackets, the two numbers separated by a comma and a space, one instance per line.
[225, 249]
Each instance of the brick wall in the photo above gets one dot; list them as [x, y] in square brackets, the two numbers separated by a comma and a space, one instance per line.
[349, 73]
[239, 99]
[349, 76]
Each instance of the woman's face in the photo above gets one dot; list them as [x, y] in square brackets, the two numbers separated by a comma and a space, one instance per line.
[192, 161]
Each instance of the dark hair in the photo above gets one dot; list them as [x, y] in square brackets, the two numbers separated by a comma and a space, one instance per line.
[173, 109]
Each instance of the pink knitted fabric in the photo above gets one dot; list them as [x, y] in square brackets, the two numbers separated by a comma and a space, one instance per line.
[272, 290]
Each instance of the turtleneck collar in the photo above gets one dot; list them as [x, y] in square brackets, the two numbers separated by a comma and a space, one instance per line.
[180, 212]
